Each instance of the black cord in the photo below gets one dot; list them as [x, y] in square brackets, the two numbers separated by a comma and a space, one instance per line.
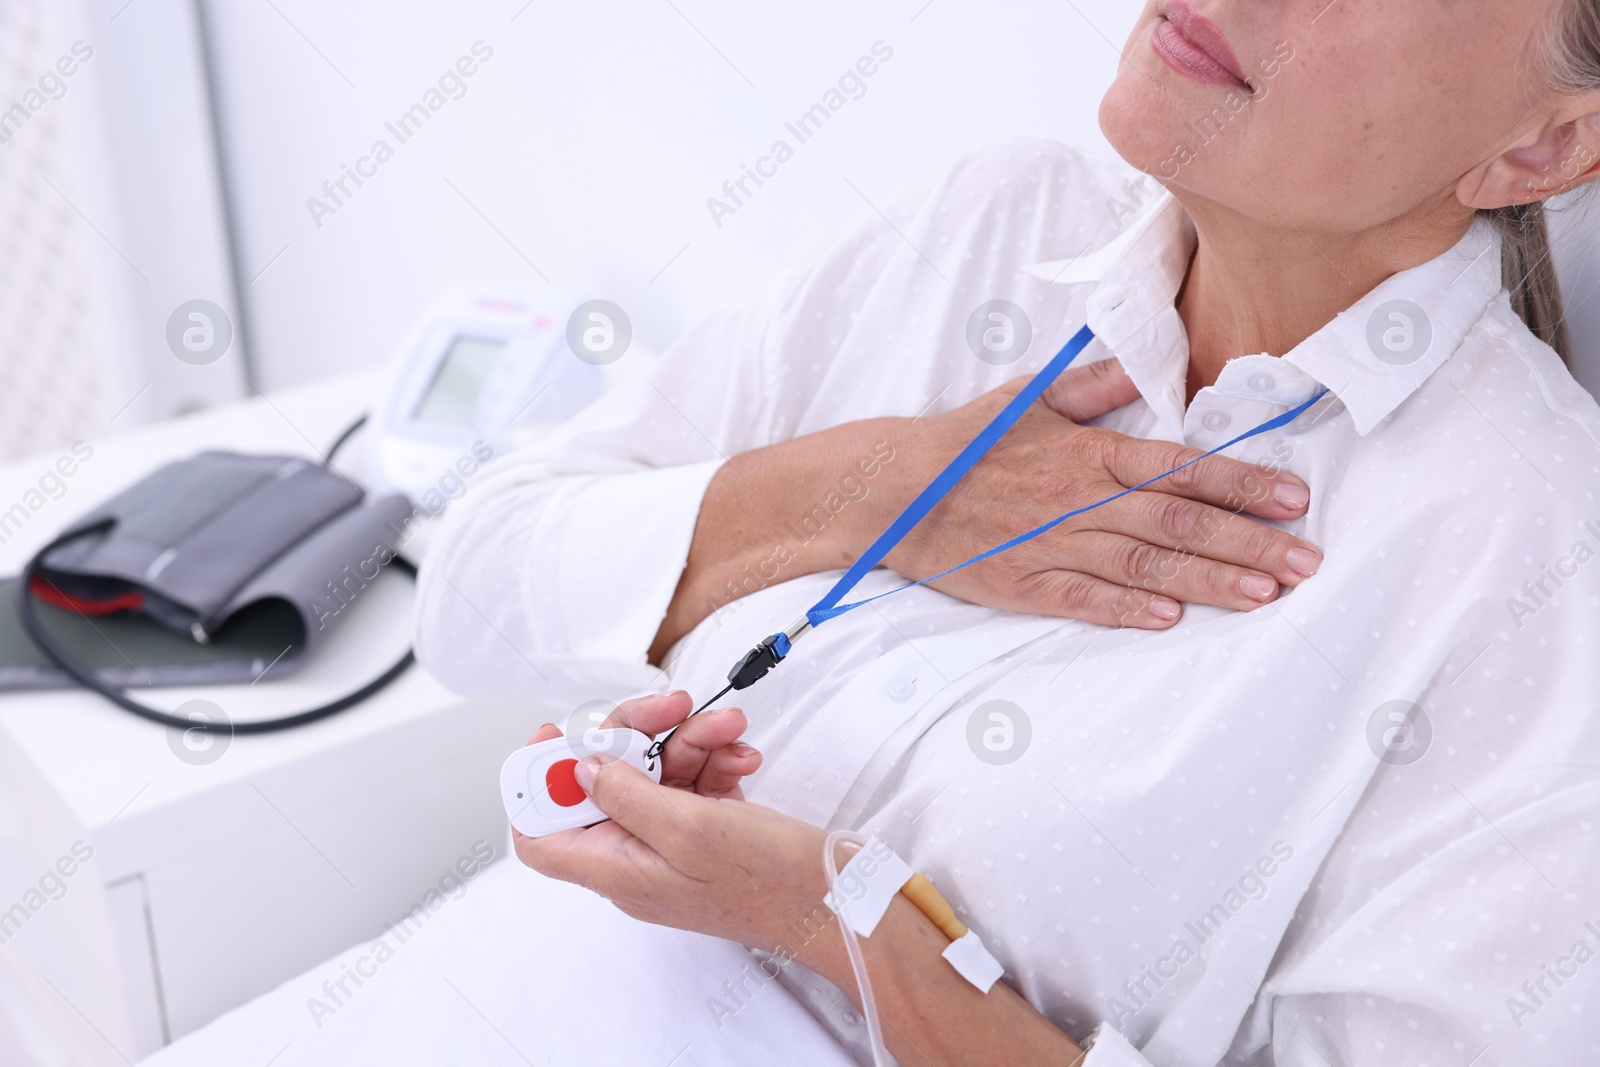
[338, 442]
[91, 680]
[661, 742]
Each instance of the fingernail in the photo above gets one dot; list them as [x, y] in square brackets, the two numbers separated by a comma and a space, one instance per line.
[742, 749]
[1165, 608]
[1258, 587]
[1303, 561]
[585, 772]
[547, 726]
[1292, 496]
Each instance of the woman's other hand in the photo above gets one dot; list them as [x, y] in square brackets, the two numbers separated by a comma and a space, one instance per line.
[1187, 538]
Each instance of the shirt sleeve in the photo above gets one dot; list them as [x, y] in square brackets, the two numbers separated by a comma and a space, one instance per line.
[551, 575]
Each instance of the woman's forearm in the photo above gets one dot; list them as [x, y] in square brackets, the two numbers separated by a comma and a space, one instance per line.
[814, 503]
[930, 1014]
[780, 512]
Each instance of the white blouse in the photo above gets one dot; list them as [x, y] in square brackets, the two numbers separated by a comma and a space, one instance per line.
[1356, 826]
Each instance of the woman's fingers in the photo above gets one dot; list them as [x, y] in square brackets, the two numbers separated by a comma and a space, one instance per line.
[1118, 580]
[1092, 390]
[1082, 393]
[683, 762]
[687, 761]
[1174, 573]
[547, 732]
[1161, 521]
[653, 714]
[725, 768]
[1217, 480]
[1074, 595]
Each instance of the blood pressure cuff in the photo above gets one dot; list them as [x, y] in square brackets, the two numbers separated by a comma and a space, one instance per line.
[203, 541]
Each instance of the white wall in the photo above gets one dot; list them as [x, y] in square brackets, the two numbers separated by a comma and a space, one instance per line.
[1575, 226]
[109, 219]
[591, 140]
[585, 149]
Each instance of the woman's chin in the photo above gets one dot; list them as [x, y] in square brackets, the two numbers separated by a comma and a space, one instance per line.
[1134, 121]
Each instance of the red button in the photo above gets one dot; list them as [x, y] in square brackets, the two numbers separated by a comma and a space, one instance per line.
[563, 786]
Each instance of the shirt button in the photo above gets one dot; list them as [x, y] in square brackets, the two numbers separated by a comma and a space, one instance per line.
[1215, 420]
[1262, 383]
[902, 688]
[851, 1017]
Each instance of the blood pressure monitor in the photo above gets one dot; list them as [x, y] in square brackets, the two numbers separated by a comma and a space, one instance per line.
[481, 367]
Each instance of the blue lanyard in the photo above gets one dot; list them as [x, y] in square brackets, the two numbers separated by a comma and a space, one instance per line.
[761, 659]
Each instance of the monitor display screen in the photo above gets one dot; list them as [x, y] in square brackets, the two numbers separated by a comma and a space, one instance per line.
[453, 394]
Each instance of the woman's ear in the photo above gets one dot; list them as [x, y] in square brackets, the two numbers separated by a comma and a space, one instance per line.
[1562, 155]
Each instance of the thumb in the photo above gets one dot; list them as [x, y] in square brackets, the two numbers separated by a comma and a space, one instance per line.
[628, 797]
[1087, 392]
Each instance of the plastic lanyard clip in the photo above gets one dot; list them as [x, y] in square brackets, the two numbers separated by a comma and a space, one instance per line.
[765, 656]
[747, 672]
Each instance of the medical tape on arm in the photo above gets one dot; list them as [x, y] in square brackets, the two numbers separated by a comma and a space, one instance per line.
[867, 885]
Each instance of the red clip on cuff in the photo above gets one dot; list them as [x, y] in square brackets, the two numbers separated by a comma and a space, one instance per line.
[43, 590]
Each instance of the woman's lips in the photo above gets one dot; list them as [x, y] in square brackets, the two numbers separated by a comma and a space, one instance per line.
[1194, 46]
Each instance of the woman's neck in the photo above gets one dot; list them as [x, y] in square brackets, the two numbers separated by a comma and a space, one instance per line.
[1254, 287]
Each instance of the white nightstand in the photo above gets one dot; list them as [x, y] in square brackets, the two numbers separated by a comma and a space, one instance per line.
[211, 883]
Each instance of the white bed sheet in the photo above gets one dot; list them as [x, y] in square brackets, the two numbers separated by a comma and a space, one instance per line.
[523, 970]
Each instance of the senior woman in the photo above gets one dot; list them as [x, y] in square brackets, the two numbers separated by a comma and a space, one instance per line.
[1288, 763]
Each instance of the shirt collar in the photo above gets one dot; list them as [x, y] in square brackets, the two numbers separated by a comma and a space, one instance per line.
[1372, 356]
[1135, 280]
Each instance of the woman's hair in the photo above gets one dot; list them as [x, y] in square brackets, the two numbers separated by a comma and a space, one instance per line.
[1529, 273]
[1572, 65]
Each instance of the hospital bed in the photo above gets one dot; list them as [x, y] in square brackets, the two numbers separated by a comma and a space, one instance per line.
[465, 980]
